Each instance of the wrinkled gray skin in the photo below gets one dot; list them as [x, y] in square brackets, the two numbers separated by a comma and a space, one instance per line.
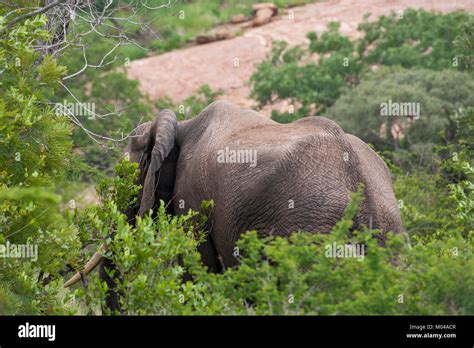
[310, 162]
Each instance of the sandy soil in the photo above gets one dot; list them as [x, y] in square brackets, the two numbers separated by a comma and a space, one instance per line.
[228, 64]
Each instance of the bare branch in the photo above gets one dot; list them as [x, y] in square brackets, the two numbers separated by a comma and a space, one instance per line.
[145, 4]
[74, 24]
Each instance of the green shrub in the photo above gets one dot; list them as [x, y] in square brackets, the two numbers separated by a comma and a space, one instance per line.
[35, 151]
[151, 256]
[414, 38]
[438, 93]
[412, 274]
[312, 78]
[118, 107]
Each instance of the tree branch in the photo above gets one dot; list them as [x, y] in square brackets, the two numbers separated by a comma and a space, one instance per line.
[31, 14]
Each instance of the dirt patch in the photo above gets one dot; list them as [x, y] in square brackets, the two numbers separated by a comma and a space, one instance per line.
[228, 64]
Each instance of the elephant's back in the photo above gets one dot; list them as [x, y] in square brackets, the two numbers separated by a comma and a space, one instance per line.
[299, 181]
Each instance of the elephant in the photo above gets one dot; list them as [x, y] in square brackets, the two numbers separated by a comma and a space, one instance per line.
[262, 175]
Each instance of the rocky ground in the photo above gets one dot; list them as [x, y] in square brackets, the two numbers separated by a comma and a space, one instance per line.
[228, 64]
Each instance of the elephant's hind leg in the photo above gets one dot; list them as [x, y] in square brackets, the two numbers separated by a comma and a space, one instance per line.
[209, 255]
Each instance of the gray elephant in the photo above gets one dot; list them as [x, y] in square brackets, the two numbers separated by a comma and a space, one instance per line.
[262, 175]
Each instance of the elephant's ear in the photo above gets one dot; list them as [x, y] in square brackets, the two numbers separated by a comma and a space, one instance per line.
[162, 137]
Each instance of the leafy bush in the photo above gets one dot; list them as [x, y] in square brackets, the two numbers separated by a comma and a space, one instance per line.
[310, 87]
[438, 93]
[312, 78]
[35, 151]
[161, 272]
[414, 38]
[110, 106]
[464, 44]
[151, 257]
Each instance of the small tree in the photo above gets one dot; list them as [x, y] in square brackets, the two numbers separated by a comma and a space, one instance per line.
[35, 151]
[437, 94]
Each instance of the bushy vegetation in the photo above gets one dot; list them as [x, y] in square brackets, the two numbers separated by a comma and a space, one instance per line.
[414, 273]
[312, 78]
[35, 151]
[427, 269]
[438, 94]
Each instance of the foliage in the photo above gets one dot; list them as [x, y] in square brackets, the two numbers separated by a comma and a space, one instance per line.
[283, 76]
[312, 78]
[438, 94]
[464, 44]
[35, 147]
[119, 107]
[161, 271]
[151, 264]
[414, 39]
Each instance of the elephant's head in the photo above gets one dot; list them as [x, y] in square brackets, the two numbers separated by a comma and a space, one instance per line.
[154, 148]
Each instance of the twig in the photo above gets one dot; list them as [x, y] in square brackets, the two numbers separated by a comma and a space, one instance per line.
[31, 14]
